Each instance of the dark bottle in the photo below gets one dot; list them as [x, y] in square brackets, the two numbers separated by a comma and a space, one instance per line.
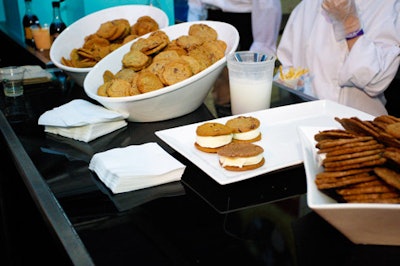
[29, 20]
[57, 25]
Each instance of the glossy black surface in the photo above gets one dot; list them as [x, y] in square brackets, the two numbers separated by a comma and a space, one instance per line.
[261, 221]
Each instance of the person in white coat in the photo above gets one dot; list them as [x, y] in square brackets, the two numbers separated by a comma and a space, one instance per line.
[264, 17]
[350, 47]
[257, 21]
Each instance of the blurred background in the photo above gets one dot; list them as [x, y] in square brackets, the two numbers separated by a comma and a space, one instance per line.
[12, 11]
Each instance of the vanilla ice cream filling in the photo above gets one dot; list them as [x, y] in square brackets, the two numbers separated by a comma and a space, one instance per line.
[213, 141]
[320, 157]
[252, 134]
[240, 161]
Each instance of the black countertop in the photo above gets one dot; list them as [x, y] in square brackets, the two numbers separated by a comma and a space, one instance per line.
[261, 221]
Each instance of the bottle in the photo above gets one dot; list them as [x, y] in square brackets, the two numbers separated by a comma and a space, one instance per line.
[29, 20]
[57, 25]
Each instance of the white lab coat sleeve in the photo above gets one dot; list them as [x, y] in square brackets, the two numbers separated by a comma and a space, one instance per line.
[370, 66]
[196, 10]
[266, 20]
[374, 59]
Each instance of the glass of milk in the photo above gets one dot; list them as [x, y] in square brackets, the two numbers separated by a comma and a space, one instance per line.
[250, 80]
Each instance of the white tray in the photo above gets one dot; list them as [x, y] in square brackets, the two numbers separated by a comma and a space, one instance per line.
[279, 137]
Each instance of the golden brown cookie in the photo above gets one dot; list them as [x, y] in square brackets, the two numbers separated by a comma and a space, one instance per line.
[241, 156]
[102, 89]
[203, 31]
[106, 30]
[216, 49]
[195, 66]
[329, 183]
[166, 55]
[127, 74]
[176, 71]
[123, 29]
[202, 56]
[157, 67]
[155, 43]
[388, 175]
[173, 46]
[245, 128]
[143, 25]
[136, 60]
[394, 130]
[188, 42]
[147, 81]
[108, 75]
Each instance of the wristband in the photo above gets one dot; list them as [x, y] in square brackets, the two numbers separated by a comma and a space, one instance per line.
[354, 34]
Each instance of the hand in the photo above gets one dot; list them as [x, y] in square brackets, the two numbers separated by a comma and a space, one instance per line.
[340, 10]
[344, 16]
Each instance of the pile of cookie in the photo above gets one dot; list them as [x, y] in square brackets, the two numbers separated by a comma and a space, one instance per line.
[361, 162]
[232, 142]
[109, 36]
[155, 62]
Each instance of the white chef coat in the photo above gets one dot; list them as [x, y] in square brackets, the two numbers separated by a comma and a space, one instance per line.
[266, 18]
[357, 78]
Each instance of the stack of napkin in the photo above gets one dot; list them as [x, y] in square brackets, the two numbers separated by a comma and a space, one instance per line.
[136, 167]
[81, 120]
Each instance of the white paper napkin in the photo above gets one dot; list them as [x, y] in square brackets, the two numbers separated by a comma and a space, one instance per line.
[81, 120]
[136, 167]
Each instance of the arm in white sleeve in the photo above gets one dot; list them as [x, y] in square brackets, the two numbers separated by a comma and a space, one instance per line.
[374, 59]
[196, 10]
[266, 21]
[370, 66]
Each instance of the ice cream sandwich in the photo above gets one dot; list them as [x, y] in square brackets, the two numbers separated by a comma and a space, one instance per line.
[241, 156]
[211, 136]
[245, 128]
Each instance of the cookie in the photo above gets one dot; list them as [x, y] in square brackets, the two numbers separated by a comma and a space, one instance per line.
[241, 156]
[136, 60]
[143, 25]
[211, 136]
[390, 176]
[203, 31]
[176, 71]
[148, 81]
[118, 88]
[245, 128]
[394, 130]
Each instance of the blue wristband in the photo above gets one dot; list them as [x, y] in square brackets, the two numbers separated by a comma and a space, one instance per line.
[354, 34]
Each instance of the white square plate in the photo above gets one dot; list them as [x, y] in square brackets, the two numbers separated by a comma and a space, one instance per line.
[279, 137]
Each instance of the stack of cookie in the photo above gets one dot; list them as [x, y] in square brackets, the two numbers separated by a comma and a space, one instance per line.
[110, 35]
[156, 61]
[361, 162]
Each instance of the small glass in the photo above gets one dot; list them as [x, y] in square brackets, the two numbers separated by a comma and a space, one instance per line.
[12, 78]
[41, 35]
[250, 80]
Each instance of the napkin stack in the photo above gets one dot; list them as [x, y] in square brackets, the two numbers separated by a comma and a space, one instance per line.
[81, 120]
[136, 167]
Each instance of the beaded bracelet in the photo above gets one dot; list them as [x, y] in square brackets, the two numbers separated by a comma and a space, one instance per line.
[354, 34]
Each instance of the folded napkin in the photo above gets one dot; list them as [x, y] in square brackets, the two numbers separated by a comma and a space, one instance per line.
[81, 120]
[136, 167]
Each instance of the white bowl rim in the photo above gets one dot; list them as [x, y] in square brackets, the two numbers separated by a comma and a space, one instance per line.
[87, 69]
[175, 86]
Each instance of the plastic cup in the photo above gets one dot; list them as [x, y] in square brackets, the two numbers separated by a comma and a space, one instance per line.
[12, 79]
[250, 80]
[41, 35]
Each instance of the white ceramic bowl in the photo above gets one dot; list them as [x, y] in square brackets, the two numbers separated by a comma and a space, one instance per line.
[171, 101]
[73, 36]
[361, 223]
